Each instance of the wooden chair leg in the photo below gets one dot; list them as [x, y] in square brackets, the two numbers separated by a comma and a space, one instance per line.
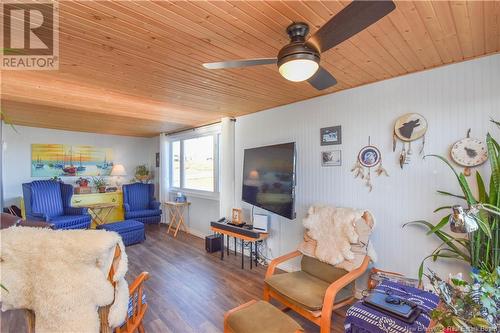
[325, 324]
[266, 296]
[141, 328]
[30, 320]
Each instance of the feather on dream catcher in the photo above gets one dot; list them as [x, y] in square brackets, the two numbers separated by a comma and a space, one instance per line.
[408, 128]
[368, 157]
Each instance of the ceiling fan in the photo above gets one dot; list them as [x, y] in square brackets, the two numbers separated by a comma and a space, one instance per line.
[299, 60]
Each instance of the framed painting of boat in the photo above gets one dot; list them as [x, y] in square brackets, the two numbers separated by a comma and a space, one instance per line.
[49, 160]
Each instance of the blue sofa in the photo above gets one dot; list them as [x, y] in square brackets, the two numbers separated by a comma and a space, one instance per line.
[139, 203]
[50, 201]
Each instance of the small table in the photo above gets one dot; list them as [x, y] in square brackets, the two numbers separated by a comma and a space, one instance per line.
[243, 239]
[176, 213]
[100, 211]
[361, 318]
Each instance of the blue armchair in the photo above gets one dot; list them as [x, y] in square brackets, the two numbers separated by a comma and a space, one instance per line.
[50, 201]
[139, 203]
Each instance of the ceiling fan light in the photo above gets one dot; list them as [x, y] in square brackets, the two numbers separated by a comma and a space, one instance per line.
[298, 70]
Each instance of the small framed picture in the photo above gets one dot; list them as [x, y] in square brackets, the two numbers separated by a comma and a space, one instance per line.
[237, 216]
[157, 160]
[331, 158]
[331, 135]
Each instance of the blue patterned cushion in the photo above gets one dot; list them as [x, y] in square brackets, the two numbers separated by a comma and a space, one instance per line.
[142, 213]
[71, 221]
[124, 226]
[46, 198]
[131, 301]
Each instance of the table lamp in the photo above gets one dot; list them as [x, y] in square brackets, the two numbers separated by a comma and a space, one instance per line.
[118, 171]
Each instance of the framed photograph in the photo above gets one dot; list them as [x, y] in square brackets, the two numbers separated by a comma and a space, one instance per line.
[331, 158]
[331, 135]
[237, 216]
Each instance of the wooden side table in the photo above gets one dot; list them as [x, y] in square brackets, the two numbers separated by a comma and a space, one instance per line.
[176, 214]
[100, 211]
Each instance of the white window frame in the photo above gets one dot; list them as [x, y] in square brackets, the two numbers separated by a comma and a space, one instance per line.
[213, 131]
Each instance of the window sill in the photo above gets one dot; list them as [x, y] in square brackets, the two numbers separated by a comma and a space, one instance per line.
[196, 194]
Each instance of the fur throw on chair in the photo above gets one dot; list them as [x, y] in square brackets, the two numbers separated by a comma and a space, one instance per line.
[338, 236]
[63, 277]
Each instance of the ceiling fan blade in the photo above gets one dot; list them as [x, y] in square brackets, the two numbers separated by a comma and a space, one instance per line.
[240, 63]
[357, 16]
[322, 79]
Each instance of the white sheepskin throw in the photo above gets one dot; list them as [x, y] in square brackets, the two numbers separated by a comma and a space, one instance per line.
[338, 236]
[63, 277]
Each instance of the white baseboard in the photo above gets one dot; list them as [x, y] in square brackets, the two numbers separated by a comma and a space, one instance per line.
[197, 233]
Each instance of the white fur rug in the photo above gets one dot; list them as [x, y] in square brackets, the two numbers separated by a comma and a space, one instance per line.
[62, 276]
[338, 236]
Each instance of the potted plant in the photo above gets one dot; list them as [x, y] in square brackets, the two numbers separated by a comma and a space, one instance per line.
[142, 173]
[82, 182]
[100, 184]
[481, 248]
[467, 307]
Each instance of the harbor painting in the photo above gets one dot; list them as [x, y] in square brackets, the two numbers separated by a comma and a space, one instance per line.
[49, 160]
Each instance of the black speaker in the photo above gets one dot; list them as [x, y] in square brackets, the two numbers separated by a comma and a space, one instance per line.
[212, 243]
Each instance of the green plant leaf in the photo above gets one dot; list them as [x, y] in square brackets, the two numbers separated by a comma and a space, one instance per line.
[445, 237]
[483, 195]
[442, 208]
[451, 194]
[484, 226]
[440, 225]
[493, 157]
[466, 189]
[479, 322]
[445, 161]
[460, 324]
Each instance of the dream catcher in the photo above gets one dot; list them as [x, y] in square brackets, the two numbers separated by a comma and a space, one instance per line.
[368, 157]
[408, 128]
[469, 153]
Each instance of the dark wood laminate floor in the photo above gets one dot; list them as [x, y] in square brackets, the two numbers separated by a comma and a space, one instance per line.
[189, 290]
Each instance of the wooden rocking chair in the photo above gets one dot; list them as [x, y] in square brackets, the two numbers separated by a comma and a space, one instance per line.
[134, 319]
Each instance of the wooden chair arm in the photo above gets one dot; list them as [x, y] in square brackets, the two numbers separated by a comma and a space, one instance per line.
[336, 286]
[138, 281]
[36, 224]
[275, 262]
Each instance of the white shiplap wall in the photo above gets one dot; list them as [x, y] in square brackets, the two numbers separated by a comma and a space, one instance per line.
[452, 98]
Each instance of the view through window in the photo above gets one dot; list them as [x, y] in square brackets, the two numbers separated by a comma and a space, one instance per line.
[199, 163]
[176, 164]
[194, 163]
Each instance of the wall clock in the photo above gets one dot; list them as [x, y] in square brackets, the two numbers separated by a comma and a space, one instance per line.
[469, 152]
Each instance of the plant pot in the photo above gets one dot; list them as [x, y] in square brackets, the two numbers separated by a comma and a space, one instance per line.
[102, 189]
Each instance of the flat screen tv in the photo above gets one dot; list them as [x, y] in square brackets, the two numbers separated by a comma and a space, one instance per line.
[269, 178]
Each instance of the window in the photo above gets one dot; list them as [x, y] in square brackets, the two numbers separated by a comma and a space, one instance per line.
[194, 163]
[176, 164]
[199, 163]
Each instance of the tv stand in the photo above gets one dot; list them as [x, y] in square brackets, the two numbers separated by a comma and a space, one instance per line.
[251, 236]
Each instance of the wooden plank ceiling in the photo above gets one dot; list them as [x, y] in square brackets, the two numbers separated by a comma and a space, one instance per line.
[134, 68]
